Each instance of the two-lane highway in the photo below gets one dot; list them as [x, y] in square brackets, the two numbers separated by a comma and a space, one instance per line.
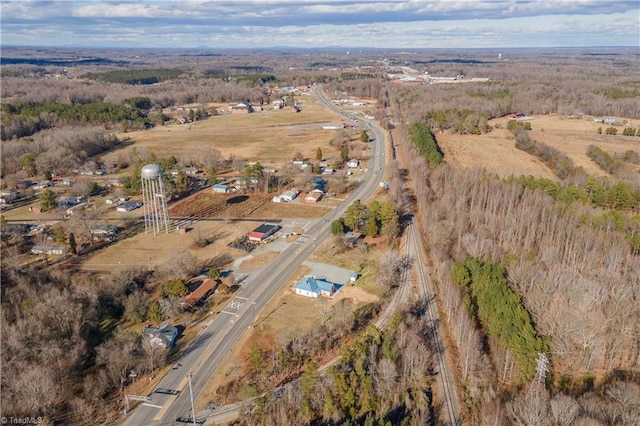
[206, 354]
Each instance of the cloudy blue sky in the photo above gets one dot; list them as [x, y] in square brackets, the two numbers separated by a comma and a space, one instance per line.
[313, 23]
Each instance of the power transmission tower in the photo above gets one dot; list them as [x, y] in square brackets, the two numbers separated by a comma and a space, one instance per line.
[541, 369]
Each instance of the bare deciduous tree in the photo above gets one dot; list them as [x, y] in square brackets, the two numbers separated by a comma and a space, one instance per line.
[155, 355]
[531, 408]
[118, 357]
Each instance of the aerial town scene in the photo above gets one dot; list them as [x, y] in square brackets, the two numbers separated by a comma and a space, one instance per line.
[320, 213]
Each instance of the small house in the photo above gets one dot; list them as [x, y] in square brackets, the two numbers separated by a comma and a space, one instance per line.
[70, 201]
[244, 182]
[240, 108]
[129, 206]
[114, 182]
[207, 287]
[313, 196]
[352, 164]
[43, 184]
[288, 196]
[117, 199]
[161, 337]
[220, 188]
[312, 287]
[8, 196]
[191, 170]
[351, 238]
[104, 231]
[77, 208]
[55, 250]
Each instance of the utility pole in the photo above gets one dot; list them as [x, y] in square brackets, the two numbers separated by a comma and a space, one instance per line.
[254, 313]
[193, 407]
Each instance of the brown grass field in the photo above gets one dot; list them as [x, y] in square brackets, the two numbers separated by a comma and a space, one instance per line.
[496, 152]
[269, 136]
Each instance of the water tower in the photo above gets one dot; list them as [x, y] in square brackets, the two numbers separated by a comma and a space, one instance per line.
[156, 216]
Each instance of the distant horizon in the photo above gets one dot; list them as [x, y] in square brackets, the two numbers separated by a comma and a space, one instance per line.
[351, 49]
[300, 24]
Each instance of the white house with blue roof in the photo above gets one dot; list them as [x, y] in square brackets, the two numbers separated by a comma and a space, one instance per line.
[312, 287]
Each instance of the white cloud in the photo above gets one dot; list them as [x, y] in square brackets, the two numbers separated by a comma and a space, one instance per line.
[128, 10]
[445, 23]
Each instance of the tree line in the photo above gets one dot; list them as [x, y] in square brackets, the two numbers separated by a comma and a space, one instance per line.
[25, 119]
[135, 76]
[466, 122]
[54, 151]
[556, 160]
[597, 192]
[499, 311]
[615, 164]
[426, 144]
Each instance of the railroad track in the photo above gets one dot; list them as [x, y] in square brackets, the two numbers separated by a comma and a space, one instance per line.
[404, 287]
[451, 413]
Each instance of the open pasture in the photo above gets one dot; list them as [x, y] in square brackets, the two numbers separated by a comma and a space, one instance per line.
[496, 152]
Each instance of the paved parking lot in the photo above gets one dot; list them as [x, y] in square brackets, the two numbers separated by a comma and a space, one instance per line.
[330, 273]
